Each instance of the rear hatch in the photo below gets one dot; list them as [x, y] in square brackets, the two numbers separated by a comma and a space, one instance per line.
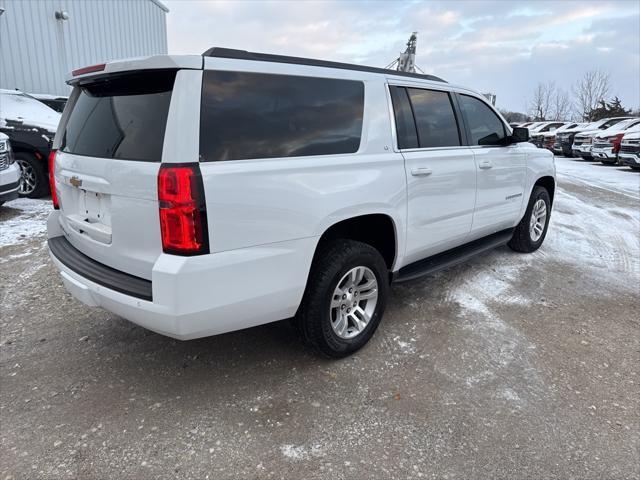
[110, 148]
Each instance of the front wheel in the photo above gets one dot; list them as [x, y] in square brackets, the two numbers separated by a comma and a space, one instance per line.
[532, 229]
[345, 298]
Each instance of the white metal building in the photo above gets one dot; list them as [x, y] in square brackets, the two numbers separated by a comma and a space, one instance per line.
[41, 41]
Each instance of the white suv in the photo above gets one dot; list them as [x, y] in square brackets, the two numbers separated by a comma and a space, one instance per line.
[198, 195]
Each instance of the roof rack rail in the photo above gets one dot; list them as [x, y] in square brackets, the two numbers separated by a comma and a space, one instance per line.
[266, 57]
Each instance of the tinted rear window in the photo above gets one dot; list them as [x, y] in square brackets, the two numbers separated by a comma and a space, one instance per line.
[436, 122]
[405, 125]
[121, 116]
[255, 115]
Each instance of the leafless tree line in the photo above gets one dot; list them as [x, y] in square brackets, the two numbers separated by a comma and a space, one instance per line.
[551, 102]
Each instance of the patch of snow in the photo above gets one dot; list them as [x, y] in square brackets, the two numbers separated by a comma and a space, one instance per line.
[594, 235]
[301, 452]
[293, 452]
[406, 347]
[30, 222]
[17, 106]
[614, 179]
[509, 394]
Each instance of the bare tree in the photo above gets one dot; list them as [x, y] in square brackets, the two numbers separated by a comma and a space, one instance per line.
[561, 105]
[589, 91]
[541, 104]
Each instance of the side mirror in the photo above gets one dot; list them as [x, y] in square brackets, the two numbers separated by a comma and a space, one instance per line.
[519, 135]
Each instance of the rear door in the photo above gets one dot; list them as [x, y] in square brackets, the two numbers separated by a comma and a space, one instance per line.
[501, 168]
[440, 171]
[109, 152]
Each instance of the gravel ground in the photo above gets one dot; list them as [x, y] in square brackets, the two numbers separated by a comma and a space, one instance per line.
[511, 366]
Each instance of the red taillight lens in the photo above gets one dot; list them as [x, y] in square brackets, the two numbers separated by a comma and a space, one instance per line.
[183, 214]
[90, 69]
[52, 179]
[616, 142]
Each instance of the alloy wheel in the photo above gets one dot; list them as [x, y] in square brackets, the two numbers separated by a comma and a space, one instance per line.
[28, 180]
[353, 302]
[538, 219]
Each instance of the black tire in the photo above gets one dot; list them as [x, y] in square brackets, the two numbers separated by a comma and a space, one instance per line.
[313, 320]
[522, 240]
[40, 175]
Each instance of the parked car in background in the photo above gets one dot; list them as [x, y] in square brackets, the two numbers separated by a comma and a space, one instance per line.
[551, 140]
[537, 133]
[583, 140]
[279, 187]
[54, 102]
[566, 137]
[606, 143]
[629, 153]
[9, 171]
[31, 126]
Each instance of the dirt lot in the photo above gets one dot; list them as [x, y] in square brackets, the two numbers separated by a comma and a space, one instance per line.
[511, 366]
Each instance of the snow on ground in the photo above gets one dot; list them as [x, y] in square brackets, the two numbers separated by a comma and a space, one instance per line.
[29, 221]
[615, 179]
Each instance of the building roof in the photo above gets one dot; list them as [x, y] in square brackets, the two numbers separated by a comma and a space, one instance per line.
[161, 5]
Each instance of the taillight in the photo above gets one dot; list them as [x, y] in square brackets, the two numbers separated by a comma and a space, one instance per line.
[615, 141]
[183, 213]
[52, 179]
[90, 69]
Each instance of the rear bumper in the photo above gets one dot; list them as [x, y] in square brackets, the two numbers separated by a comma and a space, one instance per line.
[196, 297]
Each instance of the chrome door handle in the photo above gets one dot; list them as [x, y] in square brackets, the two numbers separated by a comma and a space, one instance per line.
[485, 164]
[421, 172]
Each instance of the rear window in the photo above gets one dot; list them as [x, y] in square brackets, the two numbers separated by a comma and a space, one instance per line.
[121, 116]
[436, 122]
[255, 115]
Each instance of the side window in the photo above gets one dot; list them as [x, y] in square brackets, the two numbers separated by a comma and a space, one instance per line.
[405, 126]
[435, 119]
[485, 126]
[256, 115]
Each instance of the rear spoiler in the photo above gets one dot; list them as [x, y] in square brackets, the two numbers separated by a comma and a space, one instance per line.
[156, 62]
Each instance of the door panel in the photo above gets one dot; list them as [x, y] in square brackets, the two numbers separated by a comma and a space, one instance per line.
[500, 167]
[501, 178]
[441, 186]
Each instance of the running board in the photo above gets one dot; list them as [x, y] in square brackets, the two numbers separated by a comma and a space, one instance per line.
[452, 257]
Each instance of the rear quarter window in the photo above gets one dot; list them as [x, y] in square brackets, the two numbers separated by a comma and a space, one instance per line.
[255, 115]
[121, 117]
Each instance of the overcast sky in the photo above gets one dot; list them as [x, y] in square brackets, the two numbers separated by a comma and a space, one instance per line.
[503, 47]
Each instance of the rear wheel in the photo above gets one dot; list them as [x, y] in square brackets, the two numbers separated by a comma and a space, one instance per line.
[345, 298]
[532, 229]
[34, 182]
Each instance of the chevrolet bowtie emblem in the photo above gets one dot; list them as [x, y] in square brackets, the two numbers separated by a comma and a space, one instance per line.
[75, 181]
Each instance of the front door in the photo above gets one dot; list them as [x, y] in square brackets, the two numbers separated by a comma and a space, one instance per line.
[501, 169]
